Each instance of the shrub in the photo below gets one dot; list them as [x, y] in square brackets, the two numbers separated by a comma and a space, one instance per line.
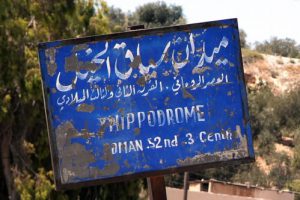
[281, 172]
[251, 173]
[285, 47]
[250, 56]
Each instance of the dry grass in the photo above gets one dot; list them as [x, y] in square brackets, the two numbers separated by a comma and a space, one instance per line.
[262, 164]
[250, 56]
[280, 148]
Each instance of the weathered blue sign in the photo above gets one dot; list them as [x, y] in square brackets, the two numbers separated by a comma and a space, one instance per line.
[145, 102]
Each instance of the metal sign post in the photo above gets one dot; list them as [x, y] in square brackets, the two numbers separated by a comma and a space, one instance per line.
[145, 103]
[186, 185]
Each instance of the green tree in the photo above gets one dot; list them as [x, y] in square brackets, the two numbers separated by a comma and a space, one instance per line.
[262, 103]
[157, 14]
[243, 37]
[25, 170]
[117, 19]
[284, 47]
[151, 15]
[289, 110]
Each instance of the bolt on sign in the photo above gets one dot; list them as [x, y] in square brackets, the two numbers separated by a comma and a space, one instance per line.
[146, 102]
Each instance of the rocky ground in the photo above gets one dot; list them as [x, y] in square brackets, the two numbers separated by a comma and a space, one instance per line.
[282, 74]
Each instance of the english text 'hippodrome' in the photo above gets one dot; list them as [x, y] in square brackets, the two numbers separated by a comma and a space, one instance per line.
[154, 118]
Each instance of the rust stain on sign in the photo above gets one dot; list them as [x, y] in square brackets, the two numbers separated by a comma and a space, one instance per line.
[72, 64]
[200, 70]
[85, 108]
[51, 64]
[80, 167]
[240, 151]
[136, 62]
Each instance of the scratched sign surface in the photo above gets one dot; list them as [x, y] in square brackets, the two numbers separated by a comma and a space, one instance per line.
[145, 102]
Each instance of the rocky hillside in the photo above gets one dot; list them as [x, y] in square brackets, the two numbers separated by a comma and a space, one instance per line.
[282, 74]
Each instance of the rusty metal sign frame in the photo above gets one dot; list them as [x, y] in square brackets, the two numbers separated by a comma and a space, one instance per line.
[139, 33]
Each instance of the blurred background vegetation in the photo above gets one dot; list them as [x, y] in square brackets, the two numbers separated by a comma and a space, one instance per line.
[26, 171]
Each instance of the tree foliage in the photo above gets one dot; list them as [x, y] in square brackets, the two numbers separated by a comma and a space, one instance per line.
[25, 170]
[151, 15]
[118, 20]
[158, 14]
[243, 36]
[284, 47]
